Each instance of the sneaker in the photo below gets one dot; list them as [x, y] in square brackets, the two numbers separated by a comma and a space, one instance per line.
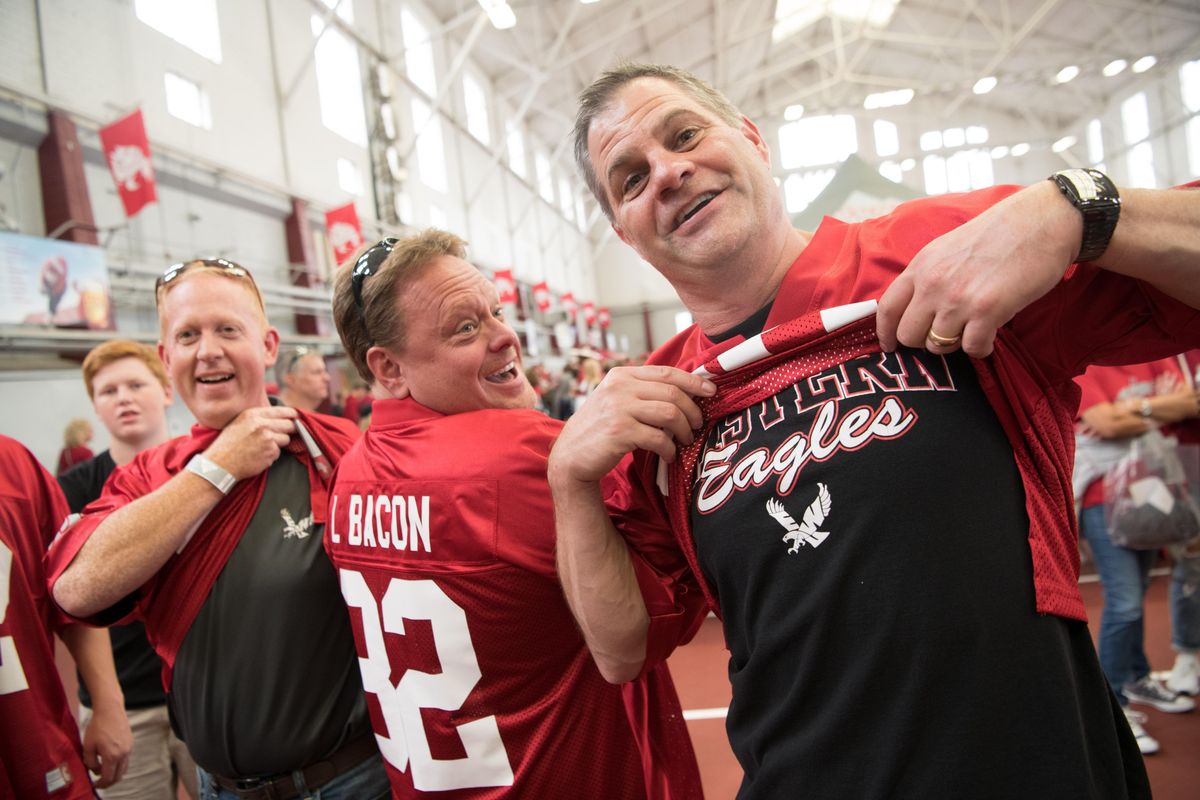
[1149, 692]
[1145, 742]
[1185, 675]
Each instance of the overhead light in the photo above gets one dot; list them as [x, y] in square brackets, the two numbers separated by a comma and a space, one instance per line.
[1000, 152]
[1144, 63]
[1019, 150]
[793, 112]
[984, 85]
[896, 97]
[1063, 144]
[500, 13]
[1114, 67]
[589, 2]
[1066, 74]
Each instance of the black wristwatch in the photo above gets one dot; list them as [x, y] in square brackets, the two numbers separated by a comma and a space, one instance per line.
[1097, 199]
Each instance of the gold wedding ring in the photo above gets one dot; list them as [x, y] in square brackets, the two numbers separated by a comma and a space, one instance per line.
[942, 341]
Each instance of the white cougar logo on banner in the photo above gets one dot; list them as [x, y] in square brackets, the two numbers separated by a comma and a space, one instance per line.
[344, 238]
[800, 534]
[128, 162]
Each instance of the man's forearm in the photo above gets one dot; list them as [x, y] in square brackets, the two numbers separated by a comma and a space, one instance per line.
[599, 581]
[92, 650]
[1158, 240]
[132, 544]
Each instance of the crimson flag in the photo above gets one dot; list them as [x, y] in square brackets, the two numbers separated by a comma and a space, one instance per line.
[128, 153]
[604, 317]
[567, 301]
[345, 234]
[541, 296]
[506, 287]
[589, 313]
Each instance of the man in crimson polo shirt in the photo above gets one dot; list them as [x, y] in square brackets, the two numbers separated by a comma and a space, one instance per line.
[214, 540]
[885, 532]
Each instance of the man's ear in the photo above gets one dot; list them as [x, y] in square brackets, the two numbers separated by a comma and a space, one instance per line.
[621, 234]
[750, 131]
[271, 345]
[389, 372]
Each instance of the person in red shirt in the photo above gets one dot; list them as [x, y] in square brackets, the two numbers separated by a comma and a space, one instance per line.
[442, 532]
[868, 477]
[40, 752]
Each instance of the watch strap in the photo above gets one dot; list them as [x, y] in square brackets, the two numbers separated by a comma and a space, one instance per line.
[211, 472]
[1098, 201]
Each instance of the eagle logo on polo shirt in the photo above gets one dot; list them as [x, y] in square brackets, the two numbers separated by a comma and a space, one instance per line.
[802, 533]
[291, 528]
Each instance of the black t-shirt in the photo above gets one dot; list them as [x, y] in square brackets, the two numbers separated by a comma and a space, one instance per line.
[139, 669]
[266, 680]
[878, 602]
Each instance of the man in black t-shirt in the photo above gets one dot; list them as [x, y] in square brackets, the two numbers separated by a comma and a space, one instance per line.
[130, 394]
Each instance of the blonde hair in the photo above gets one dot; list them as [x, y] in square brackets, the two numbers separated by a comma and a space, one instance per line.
[77, 432]
[116, 349]
[379, 321]
[218, 266]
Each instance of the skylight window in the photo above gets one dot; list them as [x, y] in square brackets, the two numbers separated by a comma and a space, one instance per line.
[475, 99]
[544, 177]
[793, 16]
[431, 161]
[339, 80]
[516, 149]
[192, 24]
[815, 141]
[418, 53]
[187, 101]
[887, 138]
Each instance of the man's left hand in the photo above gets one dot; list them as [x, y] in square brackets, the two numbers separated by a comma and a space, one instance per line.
[107, 742]
[961, 287]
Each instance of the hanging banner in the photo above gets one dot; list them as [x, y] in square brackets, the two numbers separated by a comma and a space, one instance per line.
[541, 296]
[589, 313]
[567, 301]
[51, 282]
[344, 231]
[127, 151]
[506, 287]
[604, 317]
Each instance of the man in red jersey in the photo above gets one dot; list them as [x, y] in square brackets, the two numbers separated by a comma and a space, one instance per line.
[213, 539]
[442, 532]
[886, 532]
[40, 752]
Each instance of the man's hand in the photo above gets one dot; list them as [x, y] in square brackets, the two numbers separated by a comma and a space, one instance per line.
[253, 440]
[107, 742]
[965, 284]
[648, 408]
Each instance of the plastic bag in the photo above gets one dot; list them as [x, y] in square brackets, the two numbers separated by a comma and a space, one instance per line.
[1148, 502]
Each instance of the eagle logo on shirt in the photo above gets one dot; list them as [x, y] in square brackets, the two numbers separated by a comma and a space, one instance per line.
[802, 533]
[291, 528]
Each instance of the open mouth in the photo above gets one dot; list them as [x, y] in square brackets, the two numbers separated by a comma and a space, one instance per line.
[212, 379]
[694, 208]
[508, 373]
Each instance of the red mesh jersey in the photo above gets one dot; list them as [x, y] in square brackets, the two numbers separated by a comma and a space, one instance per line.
[40, 754]
[478, 681]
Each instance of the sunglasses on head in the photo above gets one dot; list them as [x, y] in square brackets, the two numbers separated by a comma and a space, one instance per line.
[297, 354]
[234, 270]
[366, 265]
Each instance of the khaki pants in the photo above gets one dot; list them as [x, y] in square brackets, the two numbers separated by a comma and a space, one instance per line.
[158, 759]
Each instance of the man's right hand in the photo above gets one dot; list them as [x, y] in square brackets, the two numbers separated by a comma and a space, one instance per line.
[648, 408]
[253, 440]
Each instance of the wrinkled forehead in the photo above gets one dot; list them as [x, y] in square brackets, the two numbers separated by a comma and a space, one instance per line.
[204, 284]
[638, 111]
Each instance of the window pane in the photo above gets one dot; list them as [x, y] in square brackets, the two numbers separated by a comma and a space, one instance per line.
[935, 174]
[891, 170]
[887, 138]
[431, 164]
[516, 149]
[954, 137]
[1095, 142]
[982, 174]
[193, 24]
[187, 101]
[339, 84]
[564, 199]
[1135, 118]
[349, 177]
[1193, 144]
[544, 178]
[477, 110]
[977, 134]
[958, 172]
[817, 140]
[1189, 79]
[801, 188]
[418, 53]
[931, 140]
[1141, 166]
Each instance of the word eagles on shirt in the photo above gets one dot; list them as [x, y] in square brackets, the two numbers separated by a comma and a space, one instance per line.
[723, 468]
[382, 521]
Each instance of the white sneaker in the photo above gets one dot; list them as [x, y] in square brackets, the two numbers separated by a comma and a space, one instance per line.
[1185, 675]
[1145, 742]
[1149, 692]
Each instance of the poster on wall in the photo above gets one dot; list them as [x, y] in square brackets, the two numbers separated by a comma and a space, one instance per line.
[51, 282]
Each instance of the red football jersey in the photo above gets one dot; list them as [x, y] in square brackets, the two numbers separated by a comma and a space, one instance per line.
[478, 681]
[40, 753]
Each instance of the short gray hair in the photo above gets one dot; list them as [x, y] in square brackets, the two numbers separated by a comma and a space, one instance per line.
[597, 96]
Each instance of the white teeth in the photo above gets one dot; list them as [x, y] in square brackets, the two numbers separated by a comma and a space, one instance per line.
[688, 212]
[500, 373]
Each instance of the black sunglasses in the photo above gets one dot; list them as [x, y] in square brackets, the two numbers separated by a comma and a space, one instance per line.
[225, 265]
[367, 264]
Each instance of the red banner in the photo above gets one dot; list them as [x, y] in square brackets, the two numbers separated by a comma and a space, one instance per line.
[127, 151]
[506, 287]
[344, 231]
[604, 317]
[589, 313]
[541, 296]
[567, 301]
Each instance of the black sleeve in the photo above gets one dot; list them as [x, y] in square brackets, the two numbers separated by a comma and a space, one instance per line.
[84, 482]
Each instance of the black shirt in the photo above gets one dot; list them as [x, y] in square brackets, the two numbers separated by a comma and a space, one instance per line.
[878, 601]
[139, 669]
[266, 680]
